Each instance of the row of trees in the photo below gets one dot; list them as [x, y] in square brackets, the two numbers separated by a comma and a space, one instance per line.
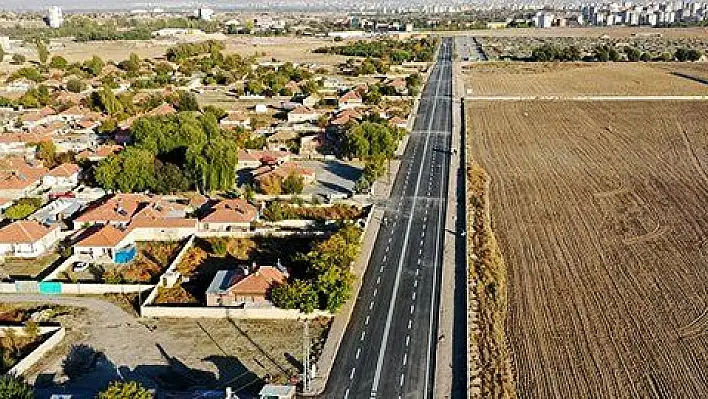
[327, 281]
[173, 153]
[14, 387]
[604, 53]
[392, 51]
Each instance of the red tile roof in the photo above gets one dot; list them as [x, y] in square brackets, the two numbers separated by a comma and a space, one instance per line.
[257, 283]
[232, 211]
[17, 174]
[102, 236]
[64, 170]
[24, 231]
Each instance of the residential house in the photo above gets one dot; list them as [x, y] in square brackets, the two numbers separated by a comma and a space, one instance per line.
[345, 116]
[101, 242]
[27, 239]
[17, 143]
[398, 122]
[96, 154]
[350, 99]
[229, 215]
[162, 221]
[246, 160]
[304, 114]
[73, 114]
[311, 145]
[280, 172]
[64, 175]
[399, 85]
[117, 210]
[236, 119]
[311, 100]
[59, 210]
[19, 177]
[243, 288]
[250, 159]
[281, 140]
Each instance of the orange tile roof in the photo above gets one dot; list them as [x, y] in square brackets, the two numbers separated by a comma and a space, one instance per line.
[16, 174]
[118, 208]
[24, 231]
[303, 110]
[102, 236]
[232, 211]
[34, 137]
[351, 95]
[164, 109]
[167, 223]
[257, 283]
[282, 171]
[64, 170]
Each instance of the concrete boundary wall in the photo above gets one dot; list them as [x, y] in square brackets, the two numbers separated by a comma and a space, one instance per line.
[199, 312]
[36, 355]
[64, 266]
[79, 288]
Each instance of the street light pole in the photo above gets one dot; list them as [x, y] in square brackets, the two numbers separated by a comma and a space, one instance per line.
[306, 360]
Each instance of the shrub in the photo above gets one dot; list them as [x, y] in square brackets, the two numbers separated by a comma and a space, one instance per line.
[219, 247]
[14, 387]
[125, 390]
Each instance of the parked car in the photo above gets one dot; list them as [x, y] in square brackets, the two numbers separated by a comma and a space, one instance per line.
[80, 267]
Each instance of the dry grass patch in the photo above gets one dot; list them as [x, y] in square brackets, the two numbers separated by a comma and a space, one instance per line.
[599, 210]
[568, 79]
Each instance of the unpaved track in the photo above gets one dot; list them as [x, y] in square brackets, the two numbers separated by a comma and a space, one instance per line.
[603, 304]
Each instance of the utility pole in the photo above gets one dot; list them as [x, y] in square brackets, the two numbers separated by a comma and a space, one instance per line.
[306, 358]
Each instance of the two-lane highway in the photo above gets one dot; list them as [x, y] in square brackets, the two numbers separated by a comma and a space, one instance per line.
[389, 349]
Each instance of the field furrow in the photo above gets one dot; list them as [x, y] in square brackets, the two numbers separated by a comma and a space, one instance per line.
[600, 212]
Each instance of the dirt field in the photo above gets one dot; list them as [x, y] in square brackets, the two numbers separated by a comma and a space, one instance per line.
[600, 212]
[519, 78]
[265, 48]
[169, 354]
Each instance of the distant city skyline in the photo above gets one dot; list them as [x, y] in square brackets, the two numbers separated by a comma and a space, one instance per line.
[187, 5]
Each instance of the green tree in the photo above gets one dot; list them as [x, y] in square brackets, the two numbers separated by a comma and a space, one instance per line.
[125, 390]
[14, 387]
[613, 54]
[293, 184]
[18, 58]
[170, 179]
[19, 211]
[296, 295]
[31, 329]
[58, 62]
[105, 101]
[684, 54]
[42, 52]
[602, 53]
[47, 152]
[131, 170]
[75, 85]
[131, 65]
[633, 53]
[187, 102]
[94, 66]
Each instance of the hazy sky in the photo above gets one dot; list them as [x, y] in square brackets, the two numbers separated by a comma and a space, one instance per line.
[107, 4]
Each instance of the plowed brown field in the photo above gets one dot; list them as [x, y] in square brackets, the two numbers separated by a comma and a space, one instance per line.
[601, 212]
[569, 79]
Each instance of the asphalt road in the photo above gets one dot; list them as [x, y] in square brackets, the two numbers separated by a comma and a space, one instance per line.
[388, 350]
